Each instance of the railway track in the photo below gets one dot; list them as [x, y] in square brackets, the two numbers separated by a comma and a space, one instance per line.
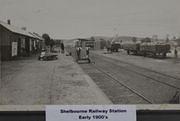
[129, 88]
[152, 87]
[148, 73]
[116, 91]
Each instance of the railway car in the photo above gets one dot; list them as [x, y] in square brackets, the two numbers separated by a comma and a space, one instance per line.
[131, 48]
[154, 49]
[115, 47]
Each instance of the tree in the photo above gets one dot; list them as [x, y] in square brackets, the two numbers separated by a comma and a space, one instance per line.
[134, 39]
[47, 39]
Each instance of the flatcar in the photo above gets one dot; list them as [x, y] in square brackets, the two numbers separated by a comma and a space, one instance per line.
[145, 49]
[155, 49]
[131, 48]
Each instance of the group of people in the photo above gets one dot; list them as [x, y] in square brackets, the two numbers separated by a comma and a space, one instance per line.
[78, 51]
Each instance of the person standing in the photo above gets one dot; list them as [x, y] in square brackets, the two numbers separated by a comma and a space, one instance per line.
[87, 52]
[62, 48]
[78, 51]
[176, 53]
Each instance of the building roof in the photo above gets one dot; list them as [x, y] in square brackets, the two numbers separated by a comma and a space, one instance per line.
[32, 35]
[15, 29]
[39, 36]
[35, 35]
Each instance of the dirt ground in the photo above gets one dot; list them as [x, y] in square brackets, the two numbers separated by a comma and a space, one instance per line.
[32, 82]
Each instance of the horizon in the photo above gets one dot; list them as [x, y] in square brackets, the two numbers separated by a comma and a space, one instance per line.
[68, 19]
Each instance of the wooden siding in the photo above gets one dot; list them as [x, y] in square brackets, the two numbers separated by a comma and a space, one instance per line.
[7, 37]
[5, 43]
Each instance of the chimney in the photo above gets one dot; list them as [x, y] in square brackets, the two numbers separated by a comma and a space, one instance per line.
[9, 21]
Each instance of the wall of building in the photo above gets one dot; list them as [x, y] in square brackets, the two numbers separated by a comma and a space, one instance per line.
[23, 44]
[13, 44]
[5, 43]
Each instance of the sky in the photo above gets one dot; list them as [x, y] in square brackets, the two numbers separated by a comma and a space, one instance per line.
[67, 19]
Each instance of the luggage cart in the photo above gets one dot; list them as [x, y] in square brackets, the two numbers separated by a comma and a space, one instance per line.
[47, 56]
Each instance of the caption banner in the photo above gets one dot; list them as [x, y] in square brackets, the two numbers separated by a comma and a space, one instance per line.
[91, 113]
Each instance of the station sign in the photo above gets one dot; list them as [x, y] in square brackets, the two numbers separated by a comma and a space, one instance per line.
[90, 113]
[14, 49]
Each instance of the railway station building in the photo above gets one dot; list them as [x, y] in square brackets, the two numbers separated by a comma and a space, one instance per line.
[17, 42]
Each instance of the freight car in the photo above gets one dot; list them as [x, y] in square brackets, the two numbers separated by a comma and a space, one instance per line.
[155, 49]
[131, 48]
[115, 47]
[145, 49]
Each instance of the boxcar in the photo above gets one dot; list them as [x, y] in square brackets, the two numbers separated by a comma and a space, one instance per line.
[115, 47]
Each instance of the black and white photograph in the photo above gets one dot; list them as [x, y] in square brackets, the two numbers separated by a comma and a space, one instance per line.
[99, 60]
[90, 52]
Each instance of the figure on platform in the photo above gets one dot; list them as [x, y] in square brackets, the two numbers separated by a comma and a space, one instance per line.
[78, 51]
[175, 52]
[87, 52]
[62, 47]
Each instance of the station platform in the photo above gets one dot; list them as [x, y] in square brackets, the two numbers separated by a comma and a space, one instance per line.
[61, 81]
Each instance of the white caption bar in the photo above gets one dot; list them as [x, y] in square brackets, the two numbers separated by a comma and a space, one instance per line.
[91, 113]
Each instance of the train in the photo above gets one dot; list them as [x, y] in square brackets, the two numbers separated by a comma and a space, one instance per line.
[145, 49]
[115, 46]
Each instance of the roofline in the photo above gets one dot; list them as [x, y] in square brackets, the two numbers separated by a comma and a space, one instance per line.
[12, 31]
[27, 35]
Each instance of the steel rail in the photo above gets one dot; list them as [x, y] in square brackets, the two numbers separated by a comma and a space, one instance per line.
[117, 81]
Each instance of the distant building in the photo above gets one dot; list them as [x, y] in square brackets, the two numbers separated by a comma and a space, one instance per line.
[101, 42]
[15, 41]
[85, 42]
